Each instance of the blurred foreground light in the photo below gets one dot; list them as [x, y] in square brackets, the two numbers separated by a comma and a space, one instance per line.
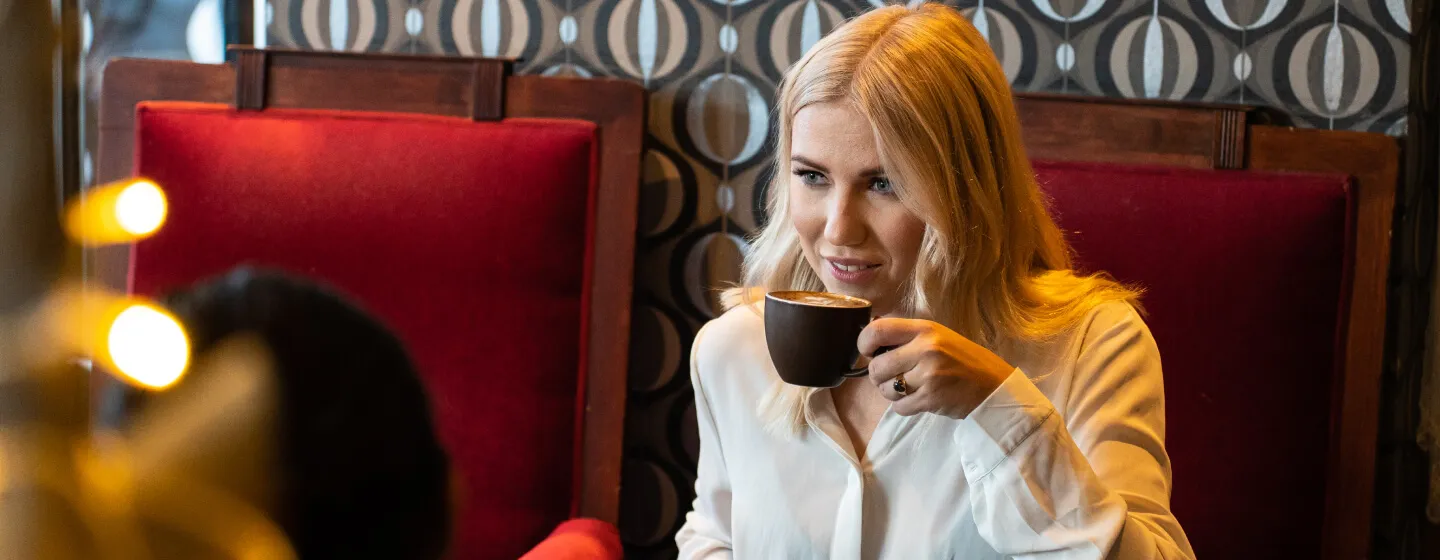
[95, 329]
[140, 208]
[119, 212]
[148, 346]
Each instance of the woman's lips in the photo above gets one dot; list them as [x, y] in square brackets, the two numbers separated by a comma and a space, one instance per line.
[853, 271]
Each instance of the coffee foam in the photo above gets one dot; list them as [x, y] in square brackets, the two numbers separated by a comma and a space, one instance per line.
[822, 299]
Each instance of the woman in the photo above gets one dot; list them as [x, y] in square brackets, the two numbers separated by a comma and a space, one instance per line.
[1021, 413]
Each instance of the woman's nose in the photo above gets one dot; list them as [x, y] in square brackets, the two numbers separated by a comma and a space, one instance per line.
[845, 220]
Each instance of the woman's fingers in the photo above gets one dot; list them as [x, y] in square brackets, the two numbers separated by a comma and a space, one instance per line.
[892, 362]
[888, 332]
[912, 404]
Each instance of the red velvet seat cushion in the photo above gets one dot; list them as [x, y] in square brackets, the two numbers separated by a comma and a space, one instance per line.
[1246, 276]
[469, 239]
[580, 539]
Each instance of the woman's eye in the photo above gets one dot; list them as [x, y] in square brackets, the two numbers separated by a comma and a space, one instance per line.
[882, 185]
[810, 177]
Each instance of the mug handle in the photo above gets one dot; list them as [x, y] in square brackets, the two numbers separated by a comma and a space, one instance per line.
[864, 371]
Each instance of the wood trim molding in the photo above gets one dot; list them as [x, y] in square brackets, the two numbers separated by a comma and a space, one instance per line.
[487, 89]
[1197, 135]
[621, 118]
[1231, 139]
[251, 71]
[1372, 161]
[456, 86]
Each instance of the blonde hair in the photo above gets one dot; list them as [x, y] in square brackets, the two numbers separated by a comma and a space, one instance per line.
[992, 262]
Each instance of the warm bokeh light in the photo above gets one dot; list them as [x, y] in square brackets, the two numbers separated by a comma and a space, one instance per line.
[148, 346]
[140, 208]
[104, 469]
[119, 212]
[98, 330]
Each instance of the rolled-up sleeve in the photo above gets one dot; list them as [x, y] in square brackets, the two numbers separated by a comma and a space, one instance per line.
[1092, 481]
[706, 532]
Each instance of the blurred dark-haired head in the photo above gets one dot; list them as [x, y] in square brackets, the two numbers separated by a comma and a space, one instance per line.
[358, 469]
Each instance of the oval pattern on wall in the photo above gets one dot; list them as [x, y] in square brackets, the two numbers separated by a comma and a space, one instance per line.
[1068, 11]
[710, 262]
[1393, 15]
[1330, 69]
[667, 198]
[567, 71]
[726, 118]
[1154, 56]
[883, 3]
[646, 40]
[341, 25]
[414, 22]
[656, 355]
[788, 29]
[648, 483]
[1010, 46]
[492, 28]
[1245, 14]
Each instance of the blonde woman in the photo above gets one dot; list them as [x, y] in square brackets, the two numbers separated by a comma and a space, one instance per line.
[1022, 411]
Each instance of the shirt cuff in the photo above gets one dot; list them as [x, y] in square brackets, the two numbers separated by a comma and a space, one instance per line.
[1009, 416]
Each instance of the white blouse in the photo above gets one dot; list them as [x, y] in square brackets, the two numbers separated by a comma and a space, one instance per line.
[1066, 459]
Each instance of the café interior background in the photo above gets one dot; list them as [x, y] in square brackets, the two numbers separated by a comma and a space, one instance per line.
[712, 68]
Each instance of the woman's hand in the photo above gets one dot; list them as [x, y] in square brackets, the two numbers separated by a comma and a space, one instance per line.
[943, 373]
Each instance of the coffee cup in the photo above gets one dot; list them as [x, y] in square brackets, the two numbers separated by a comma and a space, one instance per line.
[812, 336]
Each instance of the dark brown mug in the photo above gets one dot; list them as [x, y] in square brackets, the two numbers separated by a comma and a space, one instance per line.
[812, 336]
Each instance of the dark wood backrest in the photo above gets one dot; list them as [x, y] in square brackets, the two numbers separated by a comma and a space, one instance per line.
[1209, 136]
[482, 89]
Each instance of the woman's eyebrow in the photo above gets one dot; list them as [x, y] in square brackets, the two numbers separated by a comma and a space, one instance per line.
[807, 162]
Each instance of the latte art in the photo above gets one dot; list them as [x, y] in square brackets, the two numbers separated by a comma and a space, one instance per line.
[822, 299]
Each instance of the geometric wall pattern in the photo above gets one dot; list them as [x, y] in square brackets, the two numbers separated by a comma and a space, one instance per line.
[712, 68]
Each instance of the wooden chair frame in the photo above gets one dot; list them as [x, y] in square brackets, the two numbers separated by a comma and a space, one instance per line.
[481, 89]
[1214, 136]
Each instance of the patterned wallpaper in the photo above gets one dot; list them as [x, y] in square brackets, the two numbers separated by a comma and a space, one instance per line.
[712, 67]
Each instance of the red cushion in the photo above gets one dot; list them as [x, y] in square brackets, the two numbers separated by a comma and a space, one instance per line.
[1246, 278]
[469, 239]
[580, 539]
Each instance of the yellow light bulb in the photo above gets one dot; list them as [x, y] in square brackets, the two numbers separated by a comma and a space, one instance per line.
[140, 208]
[148, 346]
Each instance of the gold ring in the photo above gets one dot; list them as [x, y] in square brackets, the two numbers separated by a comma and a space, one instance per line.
[899, 385]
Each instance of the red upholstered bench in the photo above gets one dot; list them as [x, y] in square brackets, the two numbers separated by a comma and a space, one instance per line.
[1245, 276]
[499, 250]
[1263, 250]
[579, 539]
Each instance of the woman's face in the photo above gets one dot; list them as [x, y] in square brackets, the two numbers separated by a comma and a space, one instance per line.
[856, 234]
